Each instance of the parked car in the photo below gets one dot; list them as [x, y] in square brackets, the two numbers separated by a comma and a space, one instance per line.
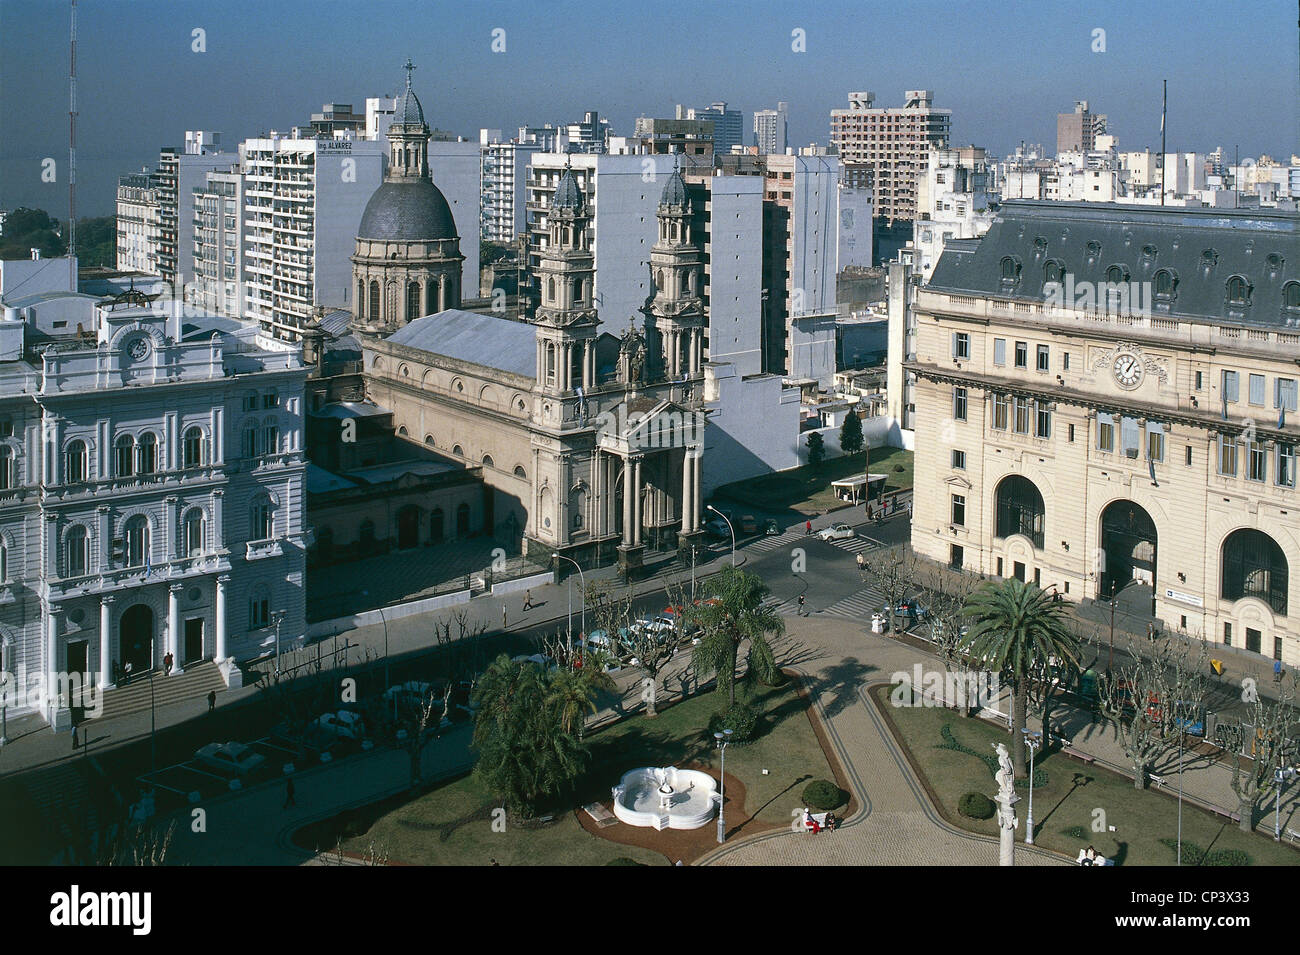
[718, 528]
[344, 724]
[908, 607]
[748, 525]
[230, 758]
[836, 532]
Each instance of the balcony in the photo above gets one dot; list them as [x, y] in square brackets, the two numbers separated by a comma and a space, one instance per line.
[261, 550]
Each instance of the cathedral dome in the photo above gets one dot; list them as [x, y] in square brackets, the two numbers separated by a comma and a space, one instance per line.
[567, 194]
[407, 211]
[674, 193]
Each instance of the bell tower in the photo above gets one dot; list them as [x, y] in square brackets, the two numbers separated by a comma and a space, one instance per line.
[676, 312]
[566, 318]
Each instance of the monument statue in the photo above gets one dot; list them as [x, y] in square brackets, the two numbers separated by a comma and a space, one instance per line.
[1006, 798]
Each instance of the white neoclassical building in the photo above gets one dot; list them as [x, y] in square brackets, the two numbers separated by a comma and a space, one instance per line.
[151, 497]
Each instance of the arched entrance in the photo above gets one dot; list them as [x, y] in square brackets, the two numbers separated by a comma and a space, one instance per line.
[408, 527]
[135, 638]
[1129, 547]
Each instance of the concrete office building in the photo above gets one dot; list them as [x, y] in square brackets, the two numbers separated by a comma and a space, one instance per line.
[728, 124]
[218, 244]
[771, 129]
[1078, 131]
[178, 173]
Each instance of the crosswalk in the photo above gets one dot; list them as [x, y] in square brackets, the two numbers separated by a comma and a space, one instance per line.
[857, 606]
[765, 544]
[857, 545]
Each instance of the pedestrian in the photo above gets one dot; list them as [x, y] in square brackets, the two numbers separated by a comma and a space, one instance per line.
[288, 794]
[807, 528]
[862, 562]
[503, 617]
[1277, 671]
[74, 739]
[801, 604]
[870, 511]
[167, 663]
[116, 671]
[212, 700]
[528, 600]
[127, 669]
[1151, 631]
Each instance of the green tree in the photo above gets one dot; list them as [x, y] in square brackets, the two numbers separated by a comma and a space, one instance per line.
[851, 434]
[1015, 629]
[733, 615]
[27, 229]
[525, 752]
[816, 449]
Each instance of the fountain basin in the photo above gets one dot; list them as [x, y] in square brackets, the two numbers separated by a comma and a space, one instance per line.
[666, 798]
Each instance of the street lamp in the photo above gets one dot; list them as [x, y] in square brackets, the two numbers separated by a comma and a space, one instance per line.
[723, 739]
[582, 581]
[1033, 739]
[1280, 777]
[730, 528]
[278, 617]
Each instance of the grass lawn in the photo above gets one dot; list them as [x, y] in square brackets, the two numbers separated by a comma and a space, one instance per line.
[807, 490]
[451, 824]
[1070, 797]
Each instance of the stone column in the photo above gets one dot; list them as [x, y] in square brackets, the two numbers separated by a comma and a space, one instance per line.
[222, 583]
[637, 506]
[629, 491]
[52, 628]
[688, 474]
[218, 521]
[106, 640]
[697, 498]
[174, 625]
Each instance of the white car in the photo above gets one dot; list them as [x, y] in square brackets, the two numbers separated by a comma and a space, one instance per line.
[836, 532]
[344, 724]
[230, 758]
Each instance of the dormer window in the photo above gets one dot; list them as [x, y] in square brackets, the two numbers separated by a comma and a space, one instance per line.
[1040, 246]
[1273, 262]
[1010, 271]
[1166, 284]
[1149, 253]
[1209, 259]
[1238, 291]
[1291, 296]
[1054, 271]
[1117, 275]
[1094, 249]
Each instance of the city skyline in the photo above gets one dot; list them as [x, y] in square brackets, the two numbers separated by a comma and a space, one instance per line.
[260, 76]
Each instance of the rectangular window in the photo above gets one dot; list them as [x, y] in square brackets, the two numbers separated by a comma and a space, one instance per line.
[1022, 354]
[1018, 571]
[1044, 358]
[1188, 455]
[1000, 403]
[1256, 389]
[1227, 634]
[1105, 432]
[960, 346]
[1256, 462]
[1155, 442]
[959, 510]
[999, 351]
[1230, 386]
[1043, 421]
[956, 556]
[959, 404]
[1071, 434]
[1227, 456]
[1200, 381]
[1065, 361]
[1129, 436]
[1286, 465]
[999, 566]
[1286, 394]
[1021, 422]
[959, 460]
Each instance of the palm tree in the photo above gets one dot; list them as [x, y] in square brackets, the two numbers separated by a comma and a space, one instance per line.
[1015, 629]
[572, 690]
[733, 615]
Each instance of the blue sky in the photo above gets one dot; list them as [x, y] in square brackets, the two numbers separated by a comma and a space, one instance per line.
[1005, 69]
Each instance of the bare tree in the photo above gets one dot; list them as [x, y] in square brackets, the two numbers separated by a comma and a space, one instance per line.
[894, 572]
[1264, 745]
[1148, 699]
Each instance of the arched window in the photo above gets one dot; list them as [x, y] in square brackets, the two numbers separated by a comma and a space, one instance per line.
[148, 453]
[431, 296]
[1010, 270]
[458, 451]
[401, 430]
[1291, 296]
[1116, 274]
[4, 562]
[428, 439]
[550, 291]
[192, 533]
[1238, 291]
[1020, 509]
[124, 456]
[270, 436]
[261, 519]
[373, 311]
[74, 462]
[7, 476]
[1054, 271]
[135, 536]
[259, 607]
[659, 280]
[520, 472]
[578, 507]
[77, 551]
[361, 299]
[488, 462]
[1254, 566]
[412, 301]
[192, 448]
[1165, 283]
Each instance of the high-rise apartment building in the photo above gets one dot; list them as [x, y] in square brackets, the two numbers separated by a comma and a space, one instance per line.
[178, 173]
[503, 171]
[728, 124]
[1078, 131]
[771, 129]
[894, 143]
[139, 222]
[218, 243]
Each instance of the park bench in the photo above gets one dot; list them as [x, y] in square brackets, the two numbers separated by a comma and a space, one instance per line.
[1293, 835]
[1080, 755]
[1225, 813]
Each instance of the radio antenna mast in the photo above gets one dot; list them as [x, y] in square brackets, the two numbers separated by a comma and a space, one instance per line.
[72, 151]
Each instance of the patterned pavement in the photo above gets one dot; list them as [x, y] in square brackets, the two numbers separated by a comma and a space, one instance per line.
[896, 824]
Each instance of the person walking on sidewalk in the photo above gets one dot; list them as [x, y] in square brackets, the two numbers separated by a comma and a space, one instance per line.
[807, 528]
[288, 794]
[504, 625]
[212, 700]
[528, 600]
[801, 613]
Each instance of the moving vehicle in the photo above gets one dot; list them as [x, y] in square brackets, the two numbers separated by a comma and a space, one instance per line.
[747, 525]
[908, 607]
[230, 758]
[836, 532]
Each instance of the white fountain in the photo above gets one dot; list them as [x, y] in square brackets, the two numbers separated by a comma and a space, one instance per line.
[666, 798]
